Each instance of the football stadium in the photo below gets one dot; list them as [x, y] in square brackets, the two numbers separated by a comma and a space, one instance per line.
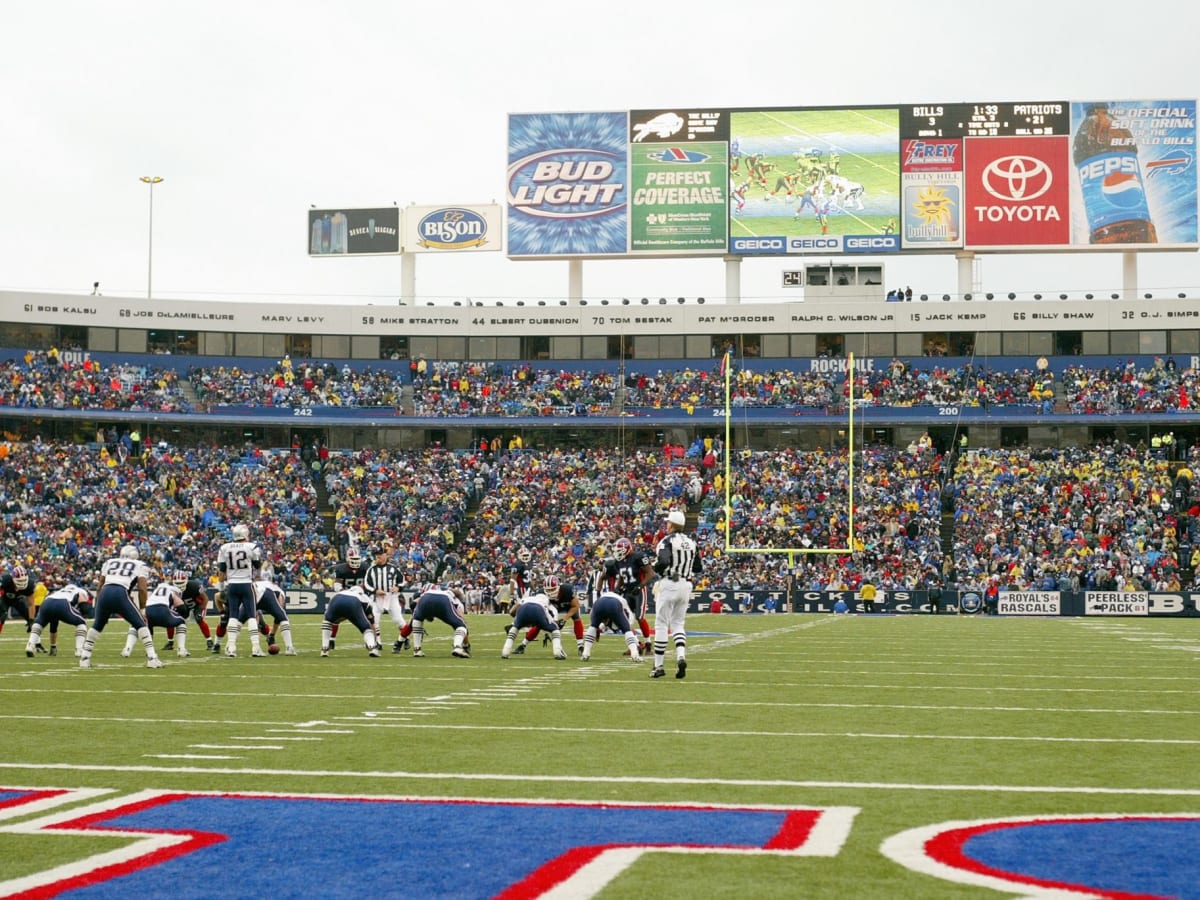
[930, 561]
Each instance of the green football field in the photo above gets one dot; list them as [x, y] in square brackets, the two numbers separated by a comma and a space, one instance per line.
[882, 724]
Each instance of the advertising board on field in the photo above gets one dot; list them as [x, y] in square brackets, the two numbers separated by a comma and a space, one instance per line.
[1116, 603]
[1029, 603]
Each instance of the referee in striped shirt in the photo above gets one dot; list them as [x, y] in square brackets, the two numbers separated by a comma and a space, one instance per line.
[383, 582]
[677, 560]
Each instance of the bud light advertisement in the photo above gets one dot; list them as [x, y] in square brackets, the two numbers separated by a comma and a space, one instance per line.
[1134, 173]
[568, 192]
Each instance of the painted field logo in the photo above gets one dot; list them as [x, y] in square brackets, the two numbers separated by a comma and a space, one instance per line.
[452, 229]
[565, 184]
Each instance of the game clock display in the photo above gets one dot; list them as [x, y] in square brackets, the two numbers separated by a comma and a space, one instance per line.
[951, 120]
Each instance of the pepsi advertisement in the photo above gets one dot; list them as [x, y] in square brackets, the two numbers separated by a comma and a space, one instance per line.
[1133, 173]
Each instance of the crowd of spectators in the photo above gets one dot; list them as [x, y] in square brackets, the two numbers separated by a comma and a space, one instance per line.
[463, 389]
[43, 379]
[492, 389]
[306, 384]
[68, 507]
[1111, 516]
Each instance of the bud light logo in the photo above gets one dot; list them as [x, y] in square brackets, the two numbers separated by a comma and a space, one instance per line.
[566, 184]
[452, 229]
[758, 245]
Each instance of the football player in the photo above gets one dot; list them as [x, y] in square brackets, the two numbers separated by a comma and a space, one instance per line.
[346, 575]
[195, 601]
[239, 561]
[446, 604]
[611, 610]
[629, 572]
[565, 605]
[537, 610]
[349, 604]
[120, 576]
[16, 592]
[165, 609]
[64, 605]
[269, 600]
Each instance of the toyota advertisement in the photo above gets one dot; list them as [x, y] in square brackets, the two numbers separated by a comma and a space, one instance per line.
[931, 177]
[1018, 192]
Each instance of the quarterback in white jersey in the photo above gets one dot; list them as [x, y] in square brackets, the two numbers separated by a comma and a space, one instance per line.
[239, 561]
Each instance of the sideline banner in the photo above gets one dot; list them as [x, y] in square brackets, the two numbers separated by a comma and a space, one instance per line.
[1012, 603]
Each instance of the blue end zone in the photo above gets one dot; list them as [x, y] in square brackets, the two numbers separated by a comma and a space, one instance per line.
[343, 848]
[1135, 856]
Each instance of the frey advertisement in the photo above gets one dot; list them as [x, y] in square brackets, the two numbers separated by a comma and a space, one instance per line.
[931, 172]
[568, 186]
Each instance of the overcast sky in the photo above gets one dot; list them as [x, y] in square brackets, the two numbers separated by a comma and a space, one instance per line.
[254, 110]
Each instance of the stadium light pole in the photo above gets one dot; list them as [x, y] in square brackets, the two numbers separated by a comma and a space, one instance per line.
[151, 180]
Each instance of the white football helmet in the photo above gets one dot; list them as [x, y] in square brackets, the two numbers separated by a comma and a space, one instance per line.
[622, 548]
[550, 585]
[354, 558]
[524, 554]
[241, 533]
[179, 578]
[129, 551]
[20, 577]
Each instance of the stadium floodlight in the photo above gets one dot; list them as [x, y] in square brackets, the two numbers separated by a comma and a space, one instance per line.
[1062, 296]
[990, 295]
[1149, 296]
[1012, 296]
[1088, 297]
[1116, 296]
[967, 297]
[151, 180]
[1037, 296]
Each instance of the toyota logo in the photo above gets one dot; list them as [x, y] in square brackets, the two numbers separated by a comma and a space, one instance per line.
[1017, 178]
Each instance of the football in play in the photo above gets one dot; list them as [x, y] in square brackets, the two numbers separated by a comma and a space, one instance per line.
[273, 649]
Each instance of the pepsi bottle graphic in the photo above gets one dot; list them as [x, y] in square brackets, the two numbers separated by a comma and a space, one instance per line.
[1110, 179]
